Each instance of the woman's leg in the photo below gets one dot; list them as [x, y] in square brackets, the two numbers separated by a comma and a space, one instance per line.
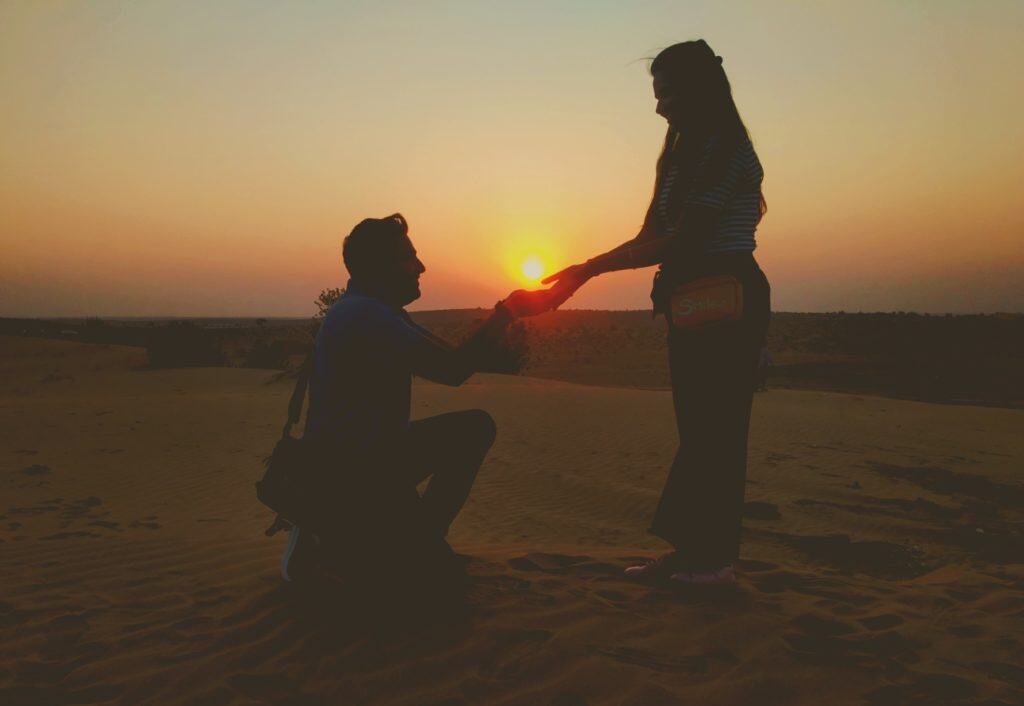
[713, 373]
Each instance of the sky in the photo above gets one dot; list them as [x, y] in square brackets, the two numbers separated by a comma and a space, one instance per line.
[207, 158]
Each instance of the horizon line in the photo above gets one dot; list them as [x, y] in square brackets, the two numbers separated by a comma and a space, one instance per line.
[293, 317]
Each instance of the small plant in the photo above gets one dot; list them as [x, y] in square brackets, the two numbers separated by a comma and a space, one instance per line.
[511, 353]
[183, 345]
[326, 300]
[272, 356]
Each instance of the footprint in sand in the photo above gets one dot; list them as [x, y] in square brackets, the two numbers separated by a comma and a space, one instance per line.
[549, 563]
[881, 622]
[771, 581]
[79, 508]
[967, 630]
[923, 689]
[817, 625]
[683, 664]
[69, 535]
[823, 641]
[273, 688]
[511, 650]
[40, 508]
[946, 482]
[751, 566]
[568, 698]
[874, 558]
[1008, 673]
[757, 510]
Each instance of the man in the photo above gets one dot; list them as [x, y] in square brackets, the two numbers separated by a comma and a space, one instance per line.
[764, 366]
[371, 456]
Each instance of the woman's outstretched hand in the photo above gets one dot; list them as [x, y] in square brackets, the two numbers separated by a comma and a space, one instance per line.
[530, 303]
[567, 281]
[571, 273]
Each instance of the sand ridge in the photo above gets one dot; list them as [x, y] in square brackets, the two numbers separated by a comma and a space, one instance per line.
[882, 556]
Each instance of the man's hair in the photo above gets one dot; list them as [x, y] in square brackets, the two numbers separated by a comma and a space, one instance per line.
[369, 242]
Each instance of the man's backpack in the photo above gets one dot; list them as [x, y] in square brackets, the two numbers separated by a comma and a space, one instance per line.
[285, 484]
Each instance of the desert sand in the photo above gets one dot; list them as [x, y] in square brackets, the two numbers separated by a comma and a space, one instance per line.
[883, 552]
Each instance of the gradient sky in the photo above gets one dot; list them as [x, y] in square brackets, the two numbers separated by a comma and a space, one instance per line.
[207, 158]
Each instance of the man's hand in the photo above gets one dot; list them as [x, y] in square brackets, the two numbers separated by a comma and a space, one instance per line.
[524, 303]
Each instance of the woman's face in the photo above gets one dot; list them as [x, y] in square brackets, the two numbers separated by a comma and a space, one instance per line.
[670, 105]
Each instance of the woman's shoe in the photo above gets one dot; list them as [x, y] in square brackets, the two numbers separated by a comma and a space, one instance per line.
[662, 567]
[709, 577]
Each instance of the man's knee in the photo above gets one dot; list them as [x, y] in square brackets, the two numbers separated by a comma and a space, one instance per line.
[483, 427]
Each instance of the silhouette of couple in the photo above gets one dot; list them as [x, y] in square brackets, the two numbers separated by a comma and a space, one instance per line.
[699, 228]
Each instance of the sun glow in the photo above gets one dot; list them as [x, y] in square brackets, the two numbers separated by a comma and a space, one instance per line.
[528, 251]
[532, 268]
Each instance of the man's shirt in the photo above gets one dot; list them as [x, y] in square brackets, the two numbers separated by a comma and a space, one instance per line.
[365, 356]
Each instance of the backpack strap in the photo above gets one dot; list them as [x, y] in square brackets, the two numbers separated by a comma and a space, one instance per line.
[298, 395]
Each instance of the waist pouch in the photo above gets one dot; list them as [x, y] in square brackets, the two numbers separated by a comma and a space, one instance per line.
[704, 302]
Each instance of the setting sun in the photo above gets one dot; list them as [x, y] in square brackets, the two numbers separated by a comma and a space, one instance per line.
[532, 268]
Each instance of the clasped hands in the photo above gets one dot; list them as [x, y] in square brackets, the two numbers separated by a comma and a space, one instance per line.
[524, 302]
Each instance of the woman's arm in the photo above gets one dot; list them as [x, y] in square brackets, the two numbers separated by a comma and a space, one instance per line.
[696, 223]
[630, 255]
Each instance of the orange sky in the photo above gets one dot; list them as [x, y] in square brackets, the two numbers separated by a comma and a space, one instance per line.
[197, 158]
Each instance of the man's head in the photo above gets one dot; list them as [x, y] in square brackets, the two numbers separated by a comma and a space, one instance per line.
[380, 257]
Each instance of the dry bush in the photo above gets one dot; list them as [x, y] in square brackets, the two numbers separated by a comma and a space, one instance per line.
[271, 355]
[183, 345]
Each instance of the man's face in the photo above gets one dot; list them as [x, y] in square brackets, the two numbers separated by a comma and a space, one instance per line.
[400, 272]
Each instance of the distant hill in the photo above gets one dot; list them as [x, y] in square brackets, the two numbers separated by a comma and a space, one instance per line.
[974, 359]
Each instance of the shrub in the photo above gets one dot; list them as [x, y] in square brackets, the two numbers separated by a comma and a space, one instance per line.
[512, 352]
[326, 300]
[272, 355]
[182, 344]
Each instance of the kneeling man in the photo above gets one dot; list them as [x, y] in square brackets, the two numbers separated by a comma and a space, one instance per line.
[371, 457]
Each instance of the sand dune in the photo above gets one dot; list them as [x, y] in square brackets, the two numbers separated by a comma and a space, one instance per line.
[883, 555]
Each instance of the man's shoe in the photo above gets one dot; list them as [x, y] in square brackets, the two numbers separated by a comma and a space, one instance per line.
[299, 560]
[712, 577]
[662, 567]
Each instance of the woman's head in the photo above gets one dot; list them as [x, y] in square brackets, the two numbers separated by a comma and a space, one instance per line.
[692, 89]
[694, 96]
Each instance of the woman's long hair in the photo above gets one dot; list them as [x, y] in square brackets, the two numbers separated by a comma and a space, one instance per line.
[695, 74]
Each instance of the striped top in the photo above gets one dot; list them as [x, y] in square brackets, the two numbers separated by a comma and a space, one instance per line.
[734, 191]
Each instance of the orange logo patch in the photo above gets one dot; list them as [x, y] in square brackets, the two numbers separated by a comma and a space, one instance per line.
[707, 300]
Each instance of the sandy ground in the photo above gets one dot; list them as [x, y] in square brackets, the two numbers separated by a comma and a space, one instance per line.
[883, 555]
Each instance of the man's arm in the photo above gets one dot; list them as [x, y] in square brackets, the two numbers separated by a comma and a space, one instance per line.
[434, 359]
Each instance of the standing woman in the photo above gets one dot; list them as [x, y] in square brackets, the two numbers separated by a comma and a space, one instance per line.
[700, 229]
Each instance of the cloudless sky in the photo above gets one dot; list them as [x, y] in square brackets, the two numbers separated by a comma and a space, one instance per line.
[207, 158]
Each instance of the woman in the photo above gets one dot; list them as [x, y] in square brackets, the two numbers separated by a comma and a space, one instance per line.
[700, 229]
